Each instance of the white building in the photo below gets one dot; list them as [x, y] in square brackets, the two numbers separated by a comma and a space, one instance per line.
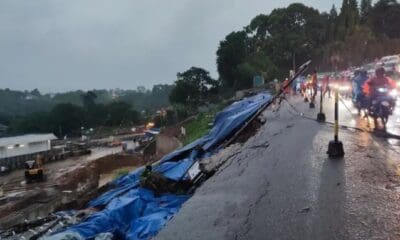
[15, 150]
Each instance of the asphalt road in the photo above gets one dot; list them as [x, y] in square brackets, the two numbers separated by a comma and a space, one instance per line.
[281, 185]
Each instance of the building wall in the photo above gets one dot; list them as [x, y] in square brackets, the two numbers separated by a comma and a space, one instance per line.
[14, 157]
[18, 162]
[25, 149]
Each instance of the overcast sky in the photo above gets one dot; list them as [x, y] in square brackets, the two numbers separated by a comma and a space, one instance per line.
[60, 45]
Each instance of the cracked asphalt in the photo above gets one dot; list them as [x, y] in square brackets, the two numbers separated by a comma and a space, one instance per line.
[281, 185]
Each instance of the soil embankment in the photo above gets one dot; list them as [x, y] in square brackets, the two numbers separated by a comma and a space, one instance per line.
[66, 188]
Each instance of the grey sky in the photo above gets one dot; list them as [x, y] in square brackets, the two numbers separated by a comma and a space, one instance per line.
[59, 45]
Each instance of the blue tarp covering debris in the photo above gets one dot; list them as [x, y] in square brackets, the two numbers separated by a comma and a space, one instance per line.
[134, 213]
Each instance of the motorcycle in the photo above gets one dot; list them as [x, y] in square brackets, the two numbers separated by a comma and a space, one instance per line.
[382, 105]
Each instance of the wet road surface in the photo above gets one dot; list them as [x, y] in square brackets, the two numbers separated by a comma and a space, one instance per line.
[281, 185]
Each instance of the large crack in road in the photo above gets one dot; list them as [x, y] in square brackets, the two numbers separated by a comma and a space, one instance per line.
[281, 185]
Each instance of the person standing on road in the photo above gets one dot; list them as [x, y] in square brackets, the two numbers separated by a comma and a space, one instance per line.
[277, 87]
[303, 87]
[287, 89]
[314, 85]
[325, 86]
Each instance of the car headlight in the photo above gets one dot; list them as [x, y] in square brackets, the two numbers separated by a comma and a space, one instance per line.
[333, 85]
[382, 90]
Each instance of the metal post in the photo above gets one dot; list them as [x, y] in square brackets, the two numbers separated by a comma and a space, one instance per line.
[321, 115]
[335, 147]
[313, 94]
[301, 70]
[320, 101]
[336, 128]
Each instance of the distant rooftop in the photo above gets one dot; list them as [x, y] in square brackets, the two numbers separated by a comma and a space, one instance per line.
[25, 139]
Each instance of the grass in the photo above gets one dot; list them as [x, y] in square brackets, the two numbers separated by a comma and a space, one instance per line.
[121, 172]
[200, 125]
[196, 128]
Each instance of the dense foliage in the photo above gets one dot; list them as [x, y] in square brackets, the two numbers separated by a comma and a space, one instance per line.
[193, 87]
[269, 46]
[19, 103]
[273, 43]
[69, 119]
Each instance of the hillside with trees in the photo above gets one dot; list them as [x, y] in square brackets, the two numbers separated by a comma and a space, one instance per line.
[273, 43]
[269, 46]
[67, 119]
[65, 113]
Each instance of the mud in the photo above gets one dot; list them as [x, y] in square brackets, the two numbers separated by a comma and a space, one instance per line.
[67, 189]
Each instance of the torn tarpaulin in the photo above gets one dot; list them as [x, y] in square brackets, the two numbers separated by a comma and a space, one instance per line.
[134, 213]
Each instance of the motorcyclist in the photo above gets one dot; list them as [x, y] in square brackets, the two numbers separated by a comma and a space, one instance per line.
[358, 97]
[360, 77]
[371, 89]
[378, 81]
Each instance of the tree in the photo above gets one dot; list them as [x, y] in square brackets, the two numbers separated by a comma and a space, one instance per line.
[66, 119]
[35, 92]
[348, 18]
[194, 86]
[159, 96]
[96, 115]
[332, 24]
[333, 13]
[121, 113]
[245, 74]
[354, 14]
[141, 89]
[231, 52]
[287, 33]
[384, 18]
[365, 9]
[37, 122]
[88, 99]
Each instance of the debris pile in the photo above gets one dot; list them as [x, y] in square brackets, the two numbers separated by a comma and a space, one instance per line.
[128, 211]
[67, 189]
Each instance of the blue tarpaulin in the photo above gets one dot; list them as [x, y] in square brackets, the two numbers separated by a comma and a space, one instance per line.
[132, 212]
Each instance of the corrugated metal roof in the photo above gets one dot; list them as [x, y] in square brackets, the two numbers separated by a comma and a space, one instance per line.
[24, 139]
